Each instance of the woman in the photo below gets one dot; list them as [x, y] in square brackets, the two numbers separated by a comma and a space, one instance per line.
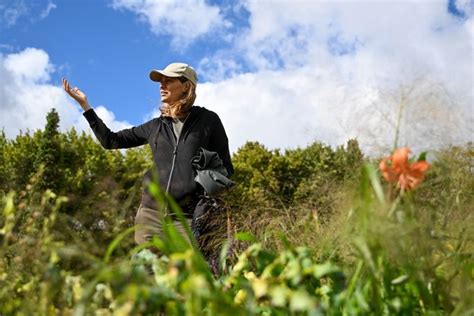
[175, 138]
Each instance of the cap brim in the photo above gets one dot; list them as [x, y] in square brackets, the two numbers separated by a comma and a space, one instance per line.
[157, 75]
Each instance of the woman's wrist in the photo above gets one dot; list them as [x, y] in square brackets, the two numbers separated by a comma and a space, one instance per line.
[85, 106]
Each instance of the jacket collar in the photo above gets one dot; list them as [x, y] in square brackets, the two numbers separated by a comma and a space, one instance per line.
[192, 114]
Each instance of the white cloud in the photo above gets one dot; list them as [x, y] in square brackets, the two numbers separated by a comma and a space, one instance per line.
[27, 95]
[34, 11]
[302, 88]
[272, 108]
[465, 6]
[184, 20]
[44, 14]
[31, 65]
[10, 14]
[107, 116]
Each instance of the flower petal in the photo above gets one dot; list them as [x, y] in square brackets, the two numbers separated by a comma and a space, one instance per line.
[420, 166]
[388, 173]
[400, 159]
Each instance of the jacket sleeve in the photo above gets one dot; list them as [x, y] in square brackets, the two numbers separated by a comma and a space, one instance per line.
[219, 143]
[130, 137]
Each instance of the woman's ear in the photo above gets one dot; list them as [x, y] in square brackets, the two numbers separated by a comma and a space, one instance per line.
[187, 86]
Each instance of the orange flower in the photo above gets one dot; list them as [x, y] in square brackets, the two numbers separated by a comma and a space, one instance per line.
[397, 168]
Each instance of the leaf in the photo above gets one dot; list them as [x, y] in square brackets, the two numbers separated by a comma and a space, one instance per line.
[116, 242]
[259, 287]
[422, 156]
[223, 255]
[240, 297]
[279, 295]
[321, 270]
[401, 279]
[301, 301]
[245, 236]
[366, 254]
[373, 177]
[355, 278]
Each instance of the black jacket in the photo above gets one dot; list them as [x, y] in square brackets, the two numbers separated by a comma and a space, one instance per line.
[202, 128]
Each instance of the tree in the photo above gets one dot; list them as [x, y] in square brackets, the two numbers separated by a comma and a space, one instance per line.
[48, 158]
[421, 114]
[5, 165]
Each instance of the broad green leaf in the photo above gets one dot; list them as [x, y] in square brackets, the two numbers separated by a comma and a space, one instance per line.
[279, 295]
[301, 301]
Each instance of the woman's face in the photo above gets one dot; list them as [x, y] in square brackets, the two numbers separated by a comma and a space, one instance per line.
[171, 90]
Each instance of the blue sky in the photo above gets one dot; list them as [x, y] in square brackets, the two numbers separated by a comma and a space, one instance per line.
[107, 52]
[284, 73]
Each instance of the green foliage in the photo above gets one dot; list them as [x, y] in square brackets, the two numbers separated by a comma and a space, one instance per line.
[294, 192]
[5, 169]
[318, 233]
[49, 155]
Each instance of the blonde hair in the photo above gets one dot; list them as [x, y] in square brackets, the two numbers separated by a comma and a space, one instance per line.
[180, 108]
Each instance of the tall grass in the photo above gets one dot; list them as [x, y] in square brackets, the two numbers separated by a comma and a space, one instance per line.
[369, 249]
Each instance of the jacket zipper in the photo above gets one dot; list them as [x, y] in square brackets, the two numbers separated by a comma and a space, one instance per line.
[175, 153]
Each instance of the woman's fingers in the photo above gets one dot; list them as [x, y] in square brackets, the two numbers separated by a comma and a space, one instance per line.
[66, 86]
[76, 94]
[71, 91]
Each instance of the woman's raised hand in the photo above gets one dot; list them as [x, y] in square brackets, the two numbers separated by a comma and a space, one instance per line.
[77, 95]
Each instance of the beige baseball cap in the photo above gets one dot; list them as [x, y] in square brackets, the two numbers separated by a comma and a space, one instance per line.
[175, 70]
